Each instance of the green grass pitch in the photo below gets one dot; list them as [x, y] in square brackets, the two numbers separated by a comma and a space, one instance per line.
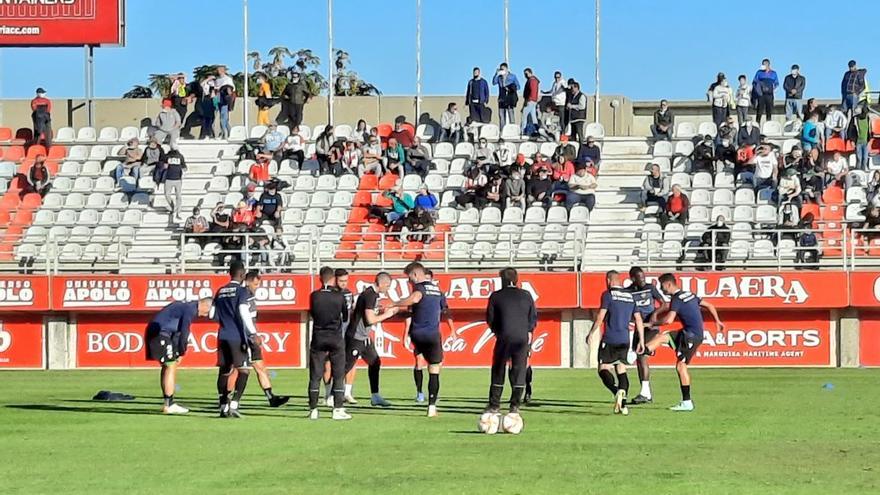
[754, 431]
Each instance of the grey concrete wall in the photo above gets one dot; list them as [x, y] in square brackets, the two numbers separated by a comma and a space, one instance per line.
[61, 345]
[848, 339]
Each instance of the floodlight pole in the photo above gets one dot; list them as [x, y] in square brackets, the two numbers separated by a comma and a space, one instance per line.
[330, 62]
[596, 102]
[90, 84]
[418, 60]
[246, 75]
[506, 32]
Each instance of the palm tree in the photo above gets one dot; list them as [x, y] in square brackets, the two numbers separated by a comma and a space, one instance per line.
[258, 62]
[278, 54]
[306, 58]
[204, 71]
[342, 60]
[160, 84]
[139, 92]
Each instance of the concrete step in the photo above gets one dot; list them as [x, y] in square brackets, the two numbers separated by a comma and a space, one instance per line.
[613, 215]
[628, 147]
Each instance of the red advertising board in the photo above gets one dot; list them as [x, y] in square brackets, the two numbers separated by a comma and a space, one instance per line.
[24, 293]
[472, 290]
[766, 339]
[119, 342]
[869, 338]
[471, 343]
[22, 343]
[151, 292]
[865, 289]
[62, 22]
[779, 290]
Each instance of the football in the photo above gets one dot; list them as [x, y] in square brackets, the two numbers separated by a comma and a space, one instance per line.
[489, 423]
[512, 423]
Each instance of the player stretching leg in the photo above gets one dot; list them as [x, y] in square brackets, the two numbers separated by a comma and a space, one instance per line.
[234, 338]
[426, 304]
[167, 335]
[647, 298]
[341, 286]
[252, 281]
[329, 313]
[357, 340]
[616, 313]
[686, 307]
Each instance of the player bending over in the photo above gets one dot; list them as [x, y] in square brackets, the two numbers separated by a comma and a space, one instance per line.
[358, 342]
[167, 336]
[647, 298]
[616, 313]
[687, 307]
[235, 337]
[426, 303]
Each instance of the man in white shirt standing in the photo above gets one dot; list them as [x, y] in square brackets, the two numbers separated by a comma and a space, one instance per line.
[557, 95]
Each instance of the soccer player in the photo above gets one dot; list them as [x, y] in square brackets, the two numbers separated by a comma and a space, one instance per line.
[616, 312]
[341, 285]
[328, 312]
[236, 336]
[646, 296]
[358, 343]
[512, 317]
[252, 281]
[167, 336]
[687, 307]
[426, 303]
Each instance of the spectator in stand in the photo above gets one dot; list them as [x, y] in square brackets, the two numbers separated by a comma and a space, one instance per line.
[420, 224]
[502, 155]
[474, 181]
[195, 93]
[208, 105]
[167, 125]
[766, 168]
[727, 130]
[361, 133]
[259, 171]
[225, 89]
[577, 112]
[725, 153]
[531, 95]
[763, 86]
[196, 224]
[41, 117]
[748, 135]
[589, 152]
[677, 206]
[323, 143]
[720, 96]
[38, 179]
[851, 86]
[581, 189]
[401, 204]
[477, 96]
[336, 152]
[519, 165]
[271, 205]
[250, 196]
[515, 190]
[794, 85]
[294, 148]
[715, 240]
[351, 158]
[812, 174]
[401, 134]
[813, 107]
[451, 129]
[418, 159]
[540, 162]
[743, 99]
[563, 170]
[836, 123]
[558, 93]
[153, 161]
[220, 220]
[243, 216]
[655, 189]
[539, 187]
[837, 170]
[293, 98]
[873, 189]
[492, 194]
[372, 160]
[130, 165]
[175, 165]
[272, 142]
[863, 135]
[395, 158]
[663, 121]
[264, 99]
[811, 135]
[789, 190]
[179, 94]
[425, 199]
[703, 156]
[508, 86]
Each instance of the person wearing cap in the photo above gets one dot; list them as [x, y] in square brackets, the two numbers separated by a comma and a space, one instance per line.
[589, 152]
[166, 125]
[153, 160]
[272, 141]
[852, 85]
[293, 99]
[197, 224]
[271, 205]
[41, 115]
[794, 85]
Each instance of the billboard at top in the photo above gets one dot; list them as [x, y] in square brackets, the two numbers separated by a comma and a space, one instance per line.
[62, 22]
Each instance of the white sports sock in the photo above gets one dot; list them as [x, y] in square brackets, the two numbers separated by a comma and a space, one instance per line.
[234, 404]
[348, 387]
[646, 389]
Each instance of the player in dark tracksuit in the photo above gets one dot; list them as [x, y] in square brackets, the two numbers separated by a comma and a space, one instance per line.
[616, 312]
[329, 312]
[167, 335]
[646, 297]
[512, 317]
[688, 308]
[235, 337]
[427, 303]
[341, 284]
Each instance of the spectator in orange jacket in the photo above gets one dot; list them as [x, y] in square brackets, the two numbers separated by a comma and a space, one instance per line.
[259, 171]
[244, 215]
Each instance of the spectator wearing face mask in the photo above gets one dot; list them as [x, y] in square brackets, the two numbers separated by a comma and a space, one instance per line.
[418, 158]
[794, 85]
[539, 187]
[557, 95]
[837, 170]
[531, 94]
[763, 86]
[372, 158]
[720, 96]
[197, 224]
[589, 152]
[789, 190]
[508, 87]
[581, 189]
[703, 156]
[743, 99]
[766, 164]
[451, 127]
[836, 123]
[515, 190]
[655, 189]
[477, 96]
[395, 158]
[166, 125]
[41, 116]
[294, 147]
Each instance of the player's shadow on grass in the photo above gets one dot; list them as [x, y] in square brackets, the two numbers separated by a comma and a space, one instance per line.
[101, 409]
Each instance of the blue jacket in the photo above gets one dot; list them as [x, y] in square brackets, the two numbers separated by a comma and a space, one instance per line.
[510, 81]
[428, 202]
[765, 82]
[477, 89]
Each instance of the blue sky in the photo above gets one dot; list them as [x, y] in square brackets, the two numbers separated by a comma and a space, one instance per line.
[650, 49]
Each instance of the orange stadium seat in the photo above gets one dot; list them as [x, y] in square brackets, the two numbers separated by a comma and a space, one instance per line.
[353, 233]
[384, 130]
[36, 149]
[382, 201]
[14, 153]
[414, 251]
[874, 146]
[369, 183]
[2, 150]
[57, 151]
[409, 127]
[873, 247]
[23, 217]
[838, 144]
[31, 201]
[5, 134]
[368, 251]
[811, 208]
[831, 213]
[833, 248]
[363, 198]
[388, 181]
[393, 250]
[346, 251]
[374, 232]
[875, 126]
[833, 195]
[10, 200]
[4, 217]
[358, 215]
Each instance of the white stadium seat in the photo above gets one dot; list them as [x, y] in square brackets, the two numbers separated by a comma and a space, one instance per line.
[685, 130]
